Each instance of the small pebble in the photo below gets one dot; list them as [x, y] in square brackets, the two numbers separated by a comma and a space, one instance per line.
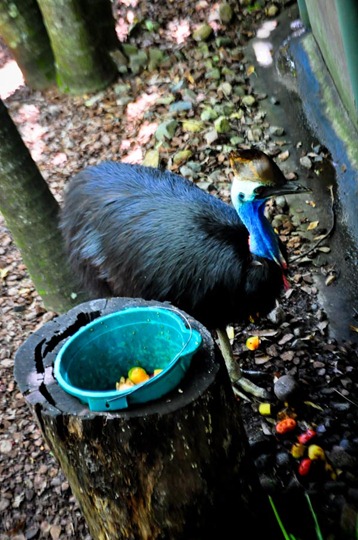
[306, 162]
[282, 459]
[286, 388]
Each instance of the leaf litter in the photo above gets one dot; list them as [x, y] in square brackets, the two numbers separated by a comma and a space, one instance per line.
[186, 114]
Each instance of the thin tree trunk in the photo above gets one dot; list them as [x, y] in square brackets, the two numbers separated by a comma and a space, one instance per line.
[31, 214]
[82, 64]
[23, 31]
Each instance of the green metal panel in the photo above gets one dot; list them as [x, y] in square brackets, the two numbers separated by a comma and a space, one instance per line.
[334, 24]
[304, 13]
[347, 11]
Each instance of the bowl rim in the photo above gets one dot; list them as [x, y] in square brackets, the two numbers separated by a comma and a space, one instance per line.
[178, 316]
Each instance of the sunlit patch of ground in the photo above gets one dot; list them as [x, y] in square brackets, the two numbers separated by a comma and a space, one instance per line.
[137, 108]
[179, 30]
[32, 132]
[10, 79]
[263, 48]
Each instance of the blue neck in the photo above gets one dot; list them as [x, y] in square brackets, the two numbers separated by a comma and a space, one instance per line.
[263, 239]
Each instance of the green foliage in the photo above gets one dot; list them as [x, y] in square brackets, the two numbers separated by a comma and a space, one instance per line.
[289, 536]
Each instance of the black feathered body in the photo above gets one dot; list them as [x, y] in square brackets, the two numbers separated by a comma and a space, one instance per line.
[141, 232]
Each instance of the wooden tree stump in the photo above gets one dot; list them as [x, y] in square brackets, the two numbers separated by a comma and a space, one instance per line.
[176, 468]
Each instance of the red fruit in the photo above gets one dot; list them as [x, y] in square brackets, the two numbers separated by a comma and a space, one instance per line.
[307, 436]
[304, 467]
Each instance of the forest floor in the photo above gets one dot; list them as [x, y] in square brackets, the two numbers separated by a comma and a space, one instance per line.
[169, 115]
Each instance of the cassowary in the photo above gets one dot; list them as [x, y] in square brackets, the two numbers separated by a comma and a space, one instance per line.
[143, 232]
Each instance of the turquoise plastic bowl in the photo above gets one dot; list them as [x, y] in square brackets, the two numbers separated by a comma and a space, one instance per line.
[91, 362]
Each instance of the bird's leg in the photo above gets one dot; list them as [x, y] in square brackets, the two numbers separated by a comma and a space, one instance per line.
[232, 366]
[234, 369]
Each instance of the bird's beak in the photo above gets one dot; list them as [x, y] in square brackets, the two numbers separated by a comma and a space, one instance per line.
[282, 189]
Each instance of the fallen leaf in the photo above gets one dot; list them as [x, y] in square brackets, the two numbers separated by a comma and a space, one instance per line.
[193, 126]
[266, 333]
[189, 77]
[230, 332]
[311, 404]
[285, 339]
[306, 289]
[182, 156]
[55, 532]
[312, 225]
[304, 260]
[4, 272]
[330, 279]
[322, 325]
[259, 360]
[311, 203]
[5, 447]
[211, 136]
[266, 429]
[18, 500]
[284, 155]
[151, 159]
[250, 70]
[287, 356]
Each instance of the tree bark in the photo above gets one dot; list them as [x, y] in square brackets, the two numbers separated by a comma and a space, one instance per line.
[82, 63]
[176, 468]
[23, 31]
[31, 213]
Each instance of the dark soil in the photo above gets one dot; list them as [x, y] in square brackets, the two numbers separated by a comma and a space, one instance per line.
[66, 133]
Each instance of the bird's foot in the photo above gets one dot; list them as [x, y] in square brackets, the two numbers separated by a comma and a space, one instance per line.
[237, 380]
[251, 388]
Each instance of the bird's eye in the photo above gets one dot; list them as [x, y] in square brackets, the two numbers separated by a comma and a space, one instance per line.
[241, 197]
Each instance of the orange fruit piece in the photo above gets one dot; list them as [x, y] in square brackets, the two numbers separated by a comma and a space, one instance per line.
[286, 425]
[137, 375]
[253, 343]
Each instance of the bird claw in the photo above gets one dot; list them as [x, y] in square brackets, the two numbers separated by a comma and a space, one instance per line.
[251, 388]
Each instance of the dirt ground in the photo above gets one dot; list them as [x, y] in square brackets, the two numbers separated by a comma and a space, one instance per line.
[67, 133]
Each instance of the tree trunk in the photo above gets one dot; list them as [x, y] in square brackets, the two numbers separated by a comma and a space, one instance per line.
[23, 31]
[82, 63]
[175, 468]
[31, 213]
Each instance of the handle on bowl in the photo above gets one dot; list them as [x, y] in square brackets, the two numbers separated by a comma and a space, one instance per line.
[106, 405]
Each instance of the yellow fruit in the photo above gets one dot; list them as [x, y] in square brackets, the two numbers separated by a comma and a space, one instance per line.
[137, 375]
[316, 452]
[298, 450]
[265, 409]
[253, 343]
[157, 371]
[123, 384]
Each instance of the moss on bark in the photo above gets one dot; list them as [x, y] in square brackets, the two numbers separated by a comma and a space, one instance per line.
[23, 31]
[31, 214]
[83, 63]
